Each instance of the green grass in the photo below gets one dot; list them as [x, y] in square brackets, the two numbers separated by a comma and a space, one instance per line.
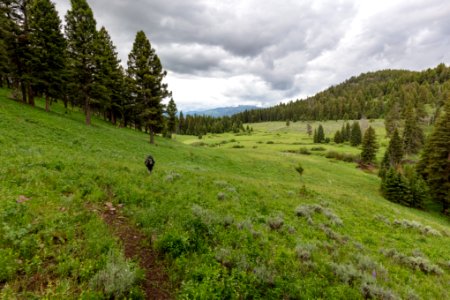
[212, 209]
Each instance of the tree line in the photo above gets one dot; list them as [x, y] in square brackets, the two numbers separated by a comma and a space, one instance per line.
[370, 95]
[80, 66]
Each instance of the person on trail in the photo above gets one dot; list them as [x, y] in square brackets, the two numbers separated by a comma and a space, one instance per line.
[149, 163]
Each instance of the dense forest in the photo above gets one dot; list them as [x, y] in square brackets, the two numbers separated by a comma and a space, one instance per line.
[81, 66]
[382, 94]
[369, 95]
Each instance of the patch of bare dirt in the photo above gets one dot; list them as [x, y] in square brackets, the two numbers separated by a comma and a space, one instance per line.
[138, 246]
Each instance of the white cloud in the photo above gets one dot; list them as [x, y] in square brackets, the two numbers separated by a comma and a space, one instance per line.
[263, 52]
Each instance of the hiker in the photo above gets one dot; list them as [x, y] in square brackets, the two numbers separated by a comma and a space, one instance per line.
[149, 163]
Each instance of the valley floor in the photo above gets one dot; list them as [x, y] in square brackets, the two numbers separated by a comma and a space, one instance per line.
[226, 216]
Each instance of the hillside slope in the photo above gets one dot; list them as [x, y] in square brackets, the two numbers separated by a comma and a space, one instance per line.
[369, 95]
[231, 222]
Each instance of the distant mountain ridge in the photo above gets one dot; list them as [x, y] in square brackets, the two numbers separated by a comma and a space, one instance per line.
[222, 111]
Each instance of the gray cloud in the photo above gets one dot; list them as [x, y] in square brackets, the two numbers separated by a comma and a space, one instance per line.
[268, 51]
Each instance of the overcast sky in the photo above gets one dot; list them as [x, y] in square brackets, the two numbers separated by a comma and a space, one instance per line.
[262, 52]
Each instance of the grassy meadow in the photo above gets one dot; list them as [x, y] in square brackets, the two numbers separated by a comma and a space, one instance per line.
[228, 214]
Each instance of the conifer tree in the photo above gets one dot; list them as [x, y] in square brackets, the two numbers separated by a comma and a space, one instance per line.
[347, 132]
[395, 149]
[337, 137]
[48, 48]
[320, 134]
[172, 117]
[394, 189]
[19, 49]
[315, 137]
[413, 136]
[356, 135]
[146, 74]
[6, 40]
[392, 119]
[393, 155]
[369, 146]
[434, 165]
[109, 83]
[181, 124]
[81, 41]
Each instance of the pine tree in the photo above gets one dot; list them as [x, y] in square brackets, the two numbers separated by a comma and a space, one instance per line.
[19, 48]
[337, 137]
[347, 132]
[395, 149]
[392, 119]
[434, 165]
[81, 41]
[394, 188]
[356, 135]
[146, 74]
[369, 146]
[48, 61]
[181, 124]
[109, 82]
[413, 136]
[315, 137]
[320, 134]
[6, 39]
[172, 120]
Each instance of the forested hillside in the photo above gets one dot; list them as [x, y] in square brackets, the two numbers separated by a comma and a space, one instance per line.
[369, 95]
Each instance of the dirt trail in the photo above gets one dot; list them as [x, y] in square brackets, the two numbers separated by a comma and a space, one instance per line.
[137, 245]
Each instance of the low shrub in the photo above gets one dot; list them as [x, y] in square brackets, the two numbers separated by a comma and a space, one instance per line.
[270, 143]
[304, 252]
[426, 230]
[372, 291]
[275, 223]
[413, 262]
[172, 245]
[238, 146]
[304, 151]
[318, 149]
[117, 278]
[343, 156]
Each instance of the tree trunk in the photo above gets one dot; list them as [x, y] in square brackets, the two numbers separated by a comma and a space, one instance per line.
[152, 136]
[65, 100]
[113, 118]
[47, 103]
[30, 95]
[87, 109]
[24, 92]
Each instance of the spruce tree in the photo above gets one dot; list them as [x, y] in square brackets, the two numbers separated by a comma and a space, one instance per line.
[337, 137]
[395, 149]
[108, 81]
[434, 165]
[6, 39]
[356, 135]
[392, 119]
[347, 132]
[172, 117]
[413, 137]
[48, 61]
[320, 134]
[369, 146]
[81, 42]
[181, 124]
[19, 48]
[146, 74]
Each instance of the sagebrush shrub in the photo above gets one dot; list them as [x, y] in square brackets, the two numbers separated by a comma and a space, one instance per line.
[117, 278]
